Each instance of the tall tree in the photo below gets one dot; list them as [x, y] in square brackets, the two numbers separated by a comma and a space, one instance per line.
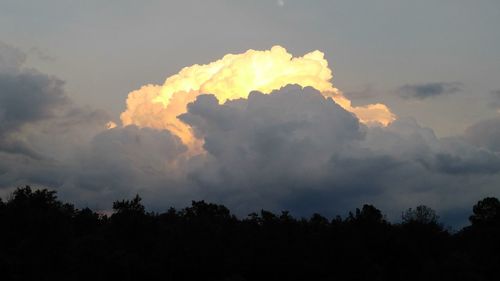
[486, 211]
[421, 215]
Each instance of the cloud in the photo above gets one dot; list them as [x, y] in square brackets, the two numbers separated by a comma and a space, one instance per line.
[294, 149]
[121, 162]
[268, 147]
[41, 54]
[290, 149]
[26, 96]
[485, 133]
[37, 118]
[429, 90]
[234, 76]
[40, 127]
[495, 99]
[11, 59]
[496, 94]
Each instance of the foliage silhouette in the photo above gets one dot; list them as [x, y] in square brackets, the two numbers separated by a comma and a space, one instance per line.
[46, 239]
[129, 207]
[420, 215]
[486, 211]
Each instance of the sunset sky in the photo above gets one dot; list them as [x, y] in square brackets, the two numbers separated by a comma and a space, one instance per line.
[393, 103]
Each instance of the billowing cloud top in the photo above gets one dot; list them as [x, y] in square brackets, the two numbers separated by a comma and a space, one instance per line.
[233, 77]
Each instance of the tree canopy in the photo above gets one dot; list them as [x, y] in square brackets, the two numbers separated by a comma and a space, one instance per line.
[47, 239]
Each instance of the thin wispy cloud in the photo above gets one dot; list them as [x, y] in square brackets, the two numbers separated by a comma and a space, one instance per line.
[429, 90]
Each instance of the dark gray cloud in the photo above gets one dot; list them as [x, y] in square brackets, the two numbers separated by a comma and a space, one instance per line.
[268, 149]
[40, 127]
[295, 150]
[26, 96]
[429, 90]
[122, 162]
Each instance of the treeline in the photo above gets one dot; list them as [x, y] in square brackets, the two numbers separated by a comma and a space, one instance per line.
[42, 238]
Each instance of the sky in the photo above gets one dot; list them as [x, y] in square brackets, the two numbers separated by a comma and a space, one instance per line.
[68, 67]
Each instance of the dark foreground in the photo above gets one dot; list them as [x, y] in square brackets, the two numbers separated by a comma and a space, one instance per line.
[45, 239]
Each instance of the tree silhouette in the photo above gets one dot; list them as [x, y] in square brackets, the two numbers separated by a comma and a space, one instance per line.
[368, 215]
[421, 215]
[317, 219]
[481, 240]
[200, 210]
[486, 211]
[133, 206]
[46, 239]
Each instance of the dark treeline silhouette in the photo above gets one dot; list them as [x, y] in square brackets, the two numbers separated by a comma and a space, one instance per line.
[43, 238]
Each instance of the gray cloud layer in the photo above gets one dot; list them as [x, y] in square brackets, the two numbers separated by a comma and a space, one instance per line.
[292, 149]
[429, 90]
